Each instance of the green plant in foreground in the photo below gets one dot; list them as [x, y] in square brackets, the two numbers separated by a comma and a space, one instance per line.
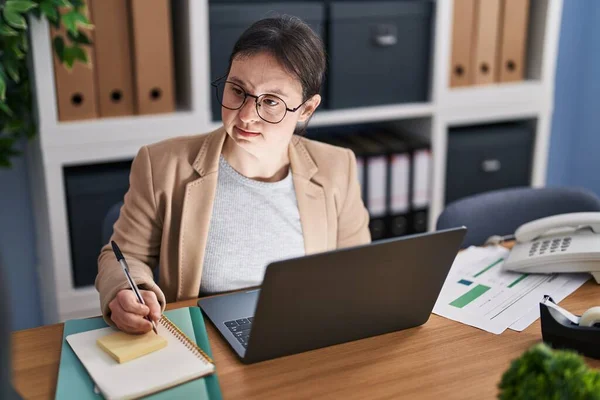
[544, 373]
[16, 116]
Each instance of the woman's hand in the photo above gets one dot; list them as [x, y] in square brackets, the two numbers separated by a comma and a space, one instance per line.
[129, 315]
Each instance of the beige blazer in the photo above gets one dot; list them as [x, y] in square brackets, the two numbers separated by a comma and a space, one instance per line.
[167, 210]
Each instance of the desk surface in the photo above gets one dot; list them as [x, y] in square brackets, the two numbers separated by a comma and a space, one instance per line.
[440, 359]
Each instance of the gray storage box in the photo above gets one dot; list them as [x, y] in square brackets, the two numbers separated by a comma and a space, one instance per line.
[488, 157]
[229, 21]
[379, 52]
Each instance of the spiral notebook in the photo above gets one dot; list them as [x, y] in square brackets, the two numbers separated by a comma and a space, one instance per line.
[180, 361]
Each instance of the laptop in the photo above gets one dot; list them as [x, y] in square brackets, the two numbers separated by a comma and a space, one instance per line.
[337, 296]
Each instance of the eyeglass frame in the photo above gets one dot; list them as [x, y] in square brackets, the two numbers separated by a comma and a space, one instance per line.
[255, 97]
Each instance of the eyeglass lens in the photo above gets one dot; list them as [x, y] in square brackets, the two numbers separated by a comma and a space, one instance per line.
[270, 108]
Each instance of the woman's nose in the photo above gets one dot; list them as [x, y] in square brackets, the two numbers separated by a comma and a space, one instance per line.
[248, 111]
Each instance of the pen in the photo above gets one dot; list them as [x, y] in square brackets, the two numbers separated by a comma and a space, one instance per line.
[125, 269]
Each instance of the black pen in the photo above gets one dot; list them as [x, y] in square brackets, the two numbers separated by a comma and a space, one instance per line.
[125, 269]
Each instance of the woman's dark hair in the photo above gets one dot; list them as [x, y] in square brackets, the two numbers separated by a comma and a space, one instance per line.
[294, 45]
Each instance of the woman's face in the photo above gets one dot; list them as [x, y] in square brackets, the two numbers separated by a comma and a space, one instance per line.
[257, 75]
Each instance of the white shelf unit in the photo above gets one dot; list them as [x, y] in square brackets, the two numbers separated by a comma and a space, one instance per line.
[61, 144]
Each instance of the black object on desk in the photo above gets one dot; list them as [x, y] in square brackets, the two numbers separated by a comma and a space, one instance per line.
[560, 333]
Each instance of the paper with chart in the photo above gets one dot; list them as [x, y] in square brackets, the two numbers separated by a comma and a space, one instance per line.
[478, 293]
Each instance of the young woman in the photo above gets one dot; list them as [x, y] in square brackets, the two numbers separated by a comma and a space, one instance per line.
[213, 210]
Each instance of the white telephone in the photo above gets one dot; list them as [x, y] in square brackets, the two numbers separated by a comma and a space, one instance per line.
[560, 243]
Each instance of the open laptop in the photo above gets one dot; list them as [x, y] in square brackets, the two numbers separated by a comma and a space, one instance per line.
[338, 296]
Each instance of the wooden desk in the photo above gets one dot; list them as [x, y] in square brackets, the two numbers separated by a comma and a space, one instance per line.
[441, 359]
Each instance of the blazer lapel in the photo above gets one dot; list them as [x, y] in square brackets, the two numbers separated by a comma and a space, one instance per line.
[311, 200]
[196, 215]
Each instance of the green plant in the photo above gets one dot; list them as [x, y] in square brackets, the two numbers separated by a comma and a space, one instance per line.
[16, 119]
[544, 373]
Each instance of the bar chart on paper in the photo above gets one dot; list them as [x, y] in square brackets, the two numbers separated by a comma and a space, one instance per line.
[479, 293]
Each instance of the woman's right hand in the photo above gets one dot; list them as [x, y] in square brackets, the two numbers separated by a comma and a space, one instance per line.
[129, 315]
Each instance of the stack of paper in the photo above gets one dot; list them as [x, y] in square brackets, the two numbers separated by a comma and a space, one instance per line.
[479, 293]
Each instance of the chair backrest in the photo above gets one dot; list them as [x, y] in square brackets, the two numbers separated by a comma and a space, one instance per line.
[501, 212]
[107, 228]
[109, 220]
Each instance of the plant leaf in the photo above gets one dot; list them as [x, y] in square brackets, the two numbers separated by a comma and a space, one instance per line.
[14, 19]
[20, 6]
[80, 54]
[61, 3]
[50, 11]
[4, 107]
[6, 30]
[59, 47]
[24, 43]
[81, 38]
[12, 70]
[72, 20]
[14, 126]
[2, 89]
[69, 57]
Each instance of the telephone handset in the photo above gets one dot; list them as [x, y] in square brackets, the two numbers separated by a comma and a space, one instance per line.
[560, 243]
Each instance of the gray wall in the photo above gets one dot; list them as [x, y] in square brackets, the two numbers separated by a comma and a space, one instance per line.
[17, 246]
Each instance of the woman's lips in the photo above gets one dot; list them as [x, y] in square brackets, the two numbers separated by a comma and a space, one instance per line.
[245, 133]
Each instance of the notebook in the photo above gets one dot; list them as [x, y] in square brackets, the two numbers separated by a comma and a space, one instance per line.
[74, 382]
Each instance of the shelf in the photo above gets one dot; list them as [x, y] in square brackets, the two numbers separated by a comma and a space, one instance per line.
[496, 95]
[118, 129]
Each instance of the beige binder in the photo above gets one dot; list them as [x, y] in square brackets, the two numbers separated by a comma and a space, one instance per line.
[75, 89]
[463, 24]
[114, 71]
[513, 40]
[486, 41]
[153, 56]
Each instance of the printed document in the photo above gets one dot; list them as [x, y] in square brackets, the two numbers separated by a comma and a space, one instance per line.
[479, 293]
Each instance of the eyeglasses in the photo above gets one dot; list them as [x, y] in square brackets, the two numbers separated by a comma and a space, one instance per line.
[270, 108]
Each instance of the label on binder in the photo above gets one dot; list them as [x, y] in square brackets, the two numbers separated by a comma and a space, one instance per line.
[400, 178]
[377, 182]
[421, 165]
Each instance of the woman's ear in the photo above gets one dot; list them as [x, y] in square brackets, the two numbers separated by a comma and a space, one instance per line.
[309, 107]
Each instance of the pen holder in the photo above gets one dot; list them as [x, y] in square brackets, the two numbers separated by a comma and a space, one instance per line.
[560, 333]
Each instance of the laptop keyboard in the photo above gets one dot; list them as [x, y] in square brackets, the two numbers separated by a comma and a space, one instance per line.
[240, 329]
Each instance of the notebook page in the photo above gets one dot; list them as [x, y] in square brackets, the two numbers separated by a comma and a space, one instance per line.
[162, 369]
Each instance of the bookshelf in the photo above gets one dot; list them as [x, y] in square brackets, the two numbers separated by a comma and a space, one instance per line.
[62, 144]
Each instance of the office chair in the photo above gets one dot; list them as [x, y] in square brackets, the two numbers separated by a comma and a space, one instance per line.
[501, 212]
[6, 389]
[110, 218]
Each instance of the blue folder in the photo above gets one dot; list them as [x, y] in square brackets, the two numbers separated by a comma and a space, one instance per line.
[74, 383]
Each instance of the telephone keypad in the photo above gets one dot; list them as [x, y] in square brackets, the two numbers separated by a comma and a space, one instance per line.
[540, 248]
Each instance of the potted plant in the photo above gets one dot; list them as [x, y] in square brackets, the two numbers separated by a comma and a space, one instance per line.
[16, 119]
[544, 373]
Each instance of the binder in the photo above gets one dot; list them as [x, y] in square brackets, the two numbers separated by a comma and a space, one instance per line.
[75, 383]
[420, 185]
[376, 178]
[513, 39]
[75, 89]
[398, 183]
[152, 56]
[463, 28]
[114, 71]
[486, 41]
[360, 161]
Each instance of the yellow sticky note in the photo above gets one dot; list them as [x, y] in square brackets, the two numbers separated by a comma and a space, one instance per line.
[125, 347]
